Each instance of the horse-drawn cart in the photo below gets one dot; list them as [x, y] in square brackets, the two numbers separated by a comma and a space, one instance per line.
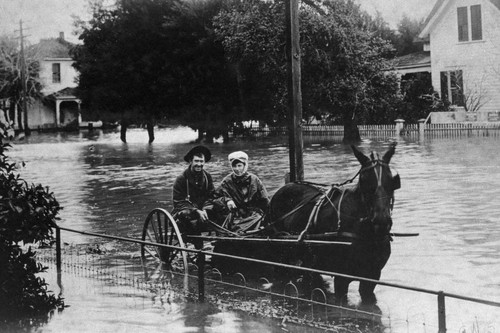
[345, 228]
[161, 227]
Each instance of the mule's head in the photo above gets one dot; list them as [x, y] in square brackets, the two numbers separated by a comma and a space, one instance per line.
[377, 186]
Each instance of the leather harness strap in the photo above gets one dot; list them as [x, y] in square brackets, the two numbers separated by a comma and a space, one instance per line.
[283, 217]
[313, 217]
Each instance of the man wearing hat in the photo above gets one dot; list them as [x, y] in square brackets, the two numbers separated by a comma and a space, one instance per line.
[192, 190]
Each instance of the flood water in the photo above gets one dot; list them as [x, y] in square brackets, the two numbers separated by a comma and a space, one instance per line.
[449, 195]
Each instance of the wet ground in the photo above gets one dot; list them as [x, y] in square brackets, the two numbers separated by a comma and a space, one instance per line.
[448, 195]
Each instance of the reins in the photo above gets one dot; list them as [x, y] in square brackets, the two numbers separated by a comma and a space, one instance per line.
[326, 197]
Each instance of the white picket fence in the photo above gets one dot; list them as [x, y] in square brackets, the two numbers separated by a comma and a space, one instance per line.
[433, 130]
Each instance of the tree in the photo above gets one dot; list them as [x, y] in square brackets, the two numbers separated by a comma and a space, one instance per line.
[380, 28]
[217, 62]
[122, 62]
[475, 93]
[253, 36]
[28, 213]
[344, 72]
[147, 60]
[342, 59]
[205, 82]
[11, 85]
[406, 38]
[419, 98]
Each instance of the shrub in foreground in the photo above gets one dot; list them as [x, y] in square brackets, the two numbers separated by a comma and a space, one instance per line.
[28, 214]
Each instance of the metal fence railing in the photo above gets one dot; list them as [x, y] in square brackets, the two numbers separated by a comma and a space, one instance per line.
[202, 278]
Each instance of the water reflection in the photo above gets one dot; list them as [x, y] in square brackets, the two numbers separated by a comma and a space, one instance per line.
[449, 195]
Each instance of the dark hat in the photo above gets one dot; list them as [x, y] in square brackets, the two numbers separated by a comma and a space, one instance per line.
[197, 151]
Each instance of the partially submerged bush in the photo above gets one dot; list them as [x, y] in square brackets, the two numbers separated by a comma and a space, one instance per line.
[28, 213]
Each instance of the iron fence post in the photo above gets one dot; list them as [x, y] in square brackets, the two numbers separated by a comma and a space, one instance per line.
[58, 249]
[200, 262]
[441, 313]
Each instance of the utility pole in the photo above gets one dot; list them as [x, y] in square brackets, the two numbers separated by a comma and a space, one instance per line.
[294, 91]
[23, 82]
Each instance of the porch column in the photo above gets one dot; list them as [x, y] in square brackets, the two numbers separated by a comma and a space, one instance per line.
[58, 112]
[399, 76]
[79, 111]
[16, 125]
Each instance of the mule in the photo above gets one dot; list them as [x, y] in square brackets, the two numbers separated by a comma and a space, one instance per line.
[360, 212]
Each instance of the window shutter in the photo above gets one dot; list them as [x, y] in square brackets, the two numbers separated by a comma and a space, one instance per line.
[475, 22]
[463, 24]
[444, 86]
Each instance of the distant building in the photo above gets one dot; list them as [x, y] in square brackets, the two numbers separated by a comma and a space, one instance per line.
[464, 43]
[59, 107]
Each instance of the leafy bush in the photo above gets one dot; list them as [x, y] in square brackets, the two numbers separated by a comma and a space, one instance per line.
[28, 213]
[419, 98]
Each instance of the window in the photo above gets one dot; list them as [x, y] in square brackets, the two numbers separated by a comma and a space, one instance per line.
[463, 24]
[476, 26]
[452, 87]
[56, 73]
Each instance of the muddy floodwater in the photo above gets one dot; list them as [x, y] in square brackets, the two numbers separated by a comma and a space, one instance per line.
[449, 195]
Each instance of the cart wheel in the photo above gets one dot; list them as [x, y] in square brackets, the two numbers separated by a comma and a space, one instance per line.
[160, 227]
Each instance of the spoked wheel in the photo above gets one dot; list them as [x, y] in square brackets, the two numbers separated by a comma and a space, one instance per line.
[161, 227]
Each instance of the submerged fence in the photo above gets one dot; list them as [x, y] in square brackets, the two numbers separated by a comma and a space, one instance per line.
[398, 129]
[317, 303]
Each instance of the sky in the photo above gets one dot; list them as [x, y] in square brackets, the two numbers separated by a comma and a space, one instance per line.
[47, 18]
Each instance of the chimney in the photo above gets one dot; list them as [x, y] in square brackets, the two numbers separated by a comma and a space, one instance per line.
[61, 35]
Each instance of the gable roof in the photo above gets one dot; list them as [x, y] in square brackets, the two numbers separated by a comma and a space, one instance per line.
[437, 10]
[51, 48]
[67, 93]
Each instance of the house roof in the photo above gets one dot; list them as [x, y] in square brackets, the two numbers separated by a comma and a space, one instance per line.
[413, 60]
[437, 10]
[67, 93]
[51, 48]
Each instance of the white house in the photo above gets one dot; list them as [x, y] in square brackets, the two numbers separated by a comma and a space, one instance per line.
[59, 106]
[464, 43]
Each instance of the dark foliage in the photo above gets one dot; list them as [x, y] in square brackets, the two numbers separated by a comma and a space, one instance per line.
[27, 215]
[215, 63]
[419, 98]
[154, 60]
[11, 84]
[342, 62]
[406, 40]
[205, 84]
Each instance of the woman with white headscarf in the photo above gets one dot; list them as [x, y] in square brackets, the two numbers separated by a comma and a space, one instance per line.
[244, 195]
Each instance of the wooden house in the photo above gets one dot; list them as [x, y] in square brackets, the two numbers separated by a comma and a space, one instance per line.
[463, 38]
[58, 107]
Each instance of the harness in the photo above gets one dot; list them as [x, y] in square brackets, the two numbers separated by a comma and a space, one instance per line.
[325, 197]
[377, 164]
[313, 217]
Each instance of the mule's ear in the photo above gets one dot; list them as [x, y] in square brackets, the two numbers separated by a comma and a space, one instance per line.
[388, 154]
[362, 158]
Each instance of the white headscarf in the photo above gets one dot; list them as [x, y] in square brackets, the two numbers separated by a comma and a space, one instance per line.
[238, 156]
